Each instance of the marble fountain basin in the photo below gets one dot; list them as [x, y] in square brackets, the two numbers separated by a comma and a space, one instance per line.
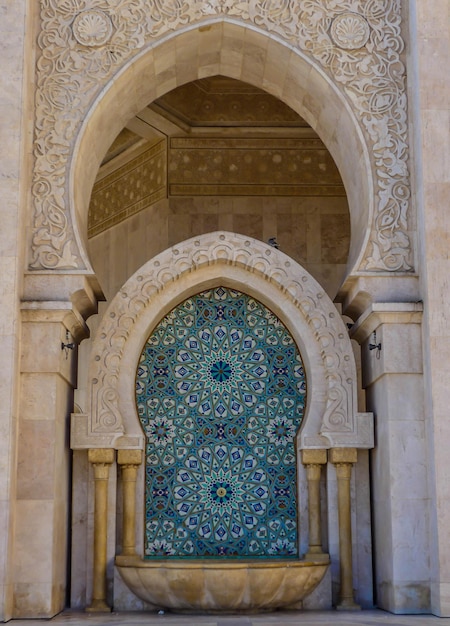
[211, 586]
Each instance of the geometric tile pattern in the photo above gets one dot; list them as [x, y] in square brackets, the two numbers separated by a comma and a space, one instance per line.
[220, 391]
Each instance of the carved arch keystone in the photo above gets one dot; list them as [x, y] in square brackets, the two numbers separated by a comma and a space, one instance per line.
[331, 418]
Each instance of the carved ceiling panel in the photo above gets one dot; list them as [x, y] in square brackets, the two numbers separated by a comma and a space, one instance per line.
[124, 140]
[223, 101]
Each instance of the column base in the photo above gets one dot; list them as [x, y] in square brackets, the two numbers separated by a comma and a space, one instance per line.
[348, 605]
[321, 557]
[98, 606]
[129, 552]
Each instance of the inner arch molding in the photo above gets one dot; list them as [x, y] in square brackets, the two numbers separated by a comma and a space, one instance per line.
[243, 263]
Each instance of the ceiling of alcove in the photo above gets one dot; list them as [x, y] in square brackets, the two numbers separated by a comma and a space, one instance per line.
[216, 154]
[212, 103]
[222, 101]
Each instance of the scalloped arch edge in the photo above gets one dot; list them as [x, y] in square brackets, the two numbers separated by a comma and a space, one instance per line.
[331, 419]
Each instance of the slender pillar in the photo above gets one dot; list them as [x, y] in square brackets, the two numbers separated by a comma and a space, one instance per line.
[313, 461]
[343, 459]
[101, 460]
[129, 461]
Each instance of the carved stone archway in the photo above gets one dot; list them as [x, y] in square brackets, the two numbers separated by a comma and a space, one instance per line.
[340, 68]
[232, 260]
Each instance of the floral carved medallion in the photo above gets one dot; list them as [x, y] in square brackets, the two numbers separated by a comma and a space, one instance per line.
[92, 28]
[350, 31]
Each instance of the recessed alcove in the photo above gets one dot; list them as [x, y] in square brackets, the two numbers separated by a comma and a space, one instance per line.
[218, 153]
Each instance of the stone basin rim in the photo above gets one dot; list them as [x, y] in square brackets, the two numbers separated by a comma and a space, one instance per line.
[218, 586]
[241, 563]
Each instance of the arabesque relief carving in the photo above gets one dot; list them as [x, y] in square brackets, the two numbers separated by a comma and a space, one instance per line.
[84, 43]
[340, 424]
[120, 195]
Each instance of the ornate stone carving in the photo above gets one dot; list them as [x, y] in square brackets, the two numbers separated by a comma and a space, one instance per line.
[92, 28]
[113, 201]
[327, 331]
[350, 31]
[373, 78]
[229, 166]
[70, 75]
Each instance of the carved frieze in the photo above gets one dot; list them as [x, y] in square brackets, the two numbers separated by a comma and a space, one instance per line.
[233, 166]
[84, 43]
[125, 192]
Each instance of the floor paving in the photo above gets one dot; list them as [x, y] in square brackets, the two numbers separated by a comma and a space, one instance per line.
[302, 618]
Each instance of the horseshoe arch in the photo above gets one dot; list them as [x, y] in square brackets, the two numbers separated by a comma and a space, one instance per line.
[235, 261]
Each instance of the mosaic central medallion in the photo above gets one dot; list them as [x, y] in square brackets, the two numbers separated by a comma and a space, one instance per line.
[220, 391]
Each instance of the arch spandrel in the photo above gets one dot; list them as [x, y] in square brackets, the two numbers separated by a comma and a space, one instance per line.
[331, 418]
[349, 56]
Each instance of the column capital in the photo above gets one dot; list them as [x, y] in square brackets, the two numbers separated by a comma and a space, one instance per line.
[79, 289]
[314, 456]
[354, 292]
[343, 470]
[50, 312]
[313, 471]
[379, 313]
[129, 457]
[343, 455]
[104, 456]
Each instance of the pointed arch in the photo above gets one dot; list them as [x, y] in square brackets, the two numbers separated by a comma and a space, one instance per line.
[245, 54]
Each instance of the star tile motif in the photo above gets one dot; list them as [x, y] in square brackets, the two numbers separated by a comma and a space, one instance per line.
[220, 391]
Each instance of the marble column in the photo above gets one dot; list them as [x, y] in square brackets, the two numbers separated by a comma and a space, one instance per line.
[313, 460]
[343, 459]
[101, 459]
[129, 461]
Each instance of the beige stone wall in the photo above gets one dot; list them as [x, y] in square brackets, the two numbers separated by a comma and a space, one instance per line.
[15, 116]
[313, 231]
[118, 252]
[430, 30]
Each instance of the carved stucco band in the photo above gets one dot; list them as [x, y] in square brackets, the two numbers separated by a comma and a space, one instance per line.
[71, 73]
[339, 424]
